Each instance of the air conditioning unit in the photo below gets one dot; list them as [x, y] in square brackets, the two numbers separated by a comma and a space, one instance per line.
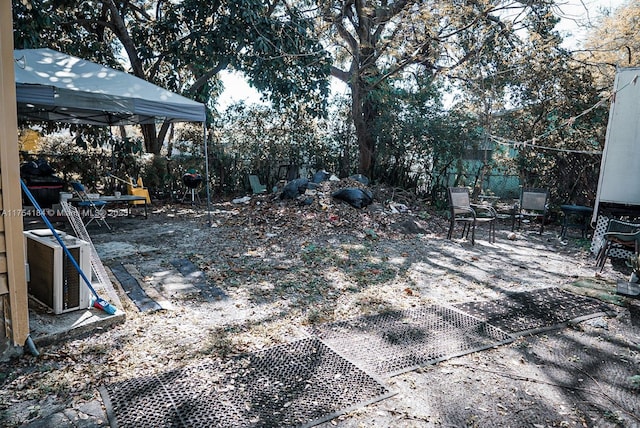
[53, 280]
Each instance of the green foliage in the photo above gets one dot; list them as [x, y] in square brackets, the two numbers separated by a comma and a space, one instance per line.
[93, 163]
[554, 97]
[635, 382]
[416, 137]
[260, 139]
[506, 73]
[531, 91]
[340, 153]
[614, 42]
[380, 41]
[181, 46]
[158, 176]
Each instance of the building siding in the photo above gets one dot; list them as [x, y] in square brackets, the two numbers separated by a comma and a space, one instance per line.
[13, 285]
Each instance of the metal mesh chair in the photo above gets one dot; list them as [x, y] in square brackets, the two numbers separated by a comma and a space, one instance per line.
[533, 204]
[620, 234]
[470, 215]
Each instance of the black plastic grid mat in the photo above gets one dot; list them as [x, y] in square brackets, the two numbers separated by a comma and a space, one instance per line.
[302, 383]
[395, 342]
[531, 311]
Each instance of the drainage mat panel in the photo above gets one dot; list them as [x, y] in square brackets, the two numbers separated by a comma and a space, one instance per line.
[302, 383]
[395, 342]
[534, 310]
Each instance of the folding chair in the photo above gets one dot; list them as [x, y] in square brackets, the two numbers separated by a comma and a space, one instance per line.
[256, 186]
[533, 203]
[96, 208]
[461, 210]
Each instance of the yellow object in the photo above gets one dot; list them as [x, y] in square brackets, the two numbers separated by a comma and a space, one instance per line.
[138, 190]
[29, 141]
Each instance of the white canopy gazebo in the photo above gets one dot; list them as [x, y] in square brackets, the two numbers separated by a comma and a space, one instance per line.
[53, 86]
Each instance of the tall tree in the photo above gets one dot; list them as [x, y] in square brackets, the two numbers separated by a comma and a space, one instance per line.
[613, 42]
[375, 40]
[183, 45]
[556, 115]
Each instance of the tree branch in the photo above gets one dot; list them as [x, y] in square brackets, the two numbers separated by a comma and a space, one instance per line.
[340, 74]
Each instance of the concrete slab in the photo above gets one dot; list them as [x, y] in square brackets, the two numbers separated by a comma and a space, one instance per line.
[47, 328]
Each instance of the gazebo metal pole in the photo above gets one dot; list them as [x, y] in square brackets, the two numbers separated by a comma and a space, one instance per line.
[206, 171]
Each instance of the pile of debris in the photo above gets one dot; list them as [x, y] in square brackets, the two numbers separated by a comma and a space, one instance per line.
[349, 203]
[353, 190]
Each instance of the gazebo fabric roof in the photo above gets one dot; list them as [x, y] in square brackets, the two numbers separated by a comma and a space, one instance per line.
[54, 86]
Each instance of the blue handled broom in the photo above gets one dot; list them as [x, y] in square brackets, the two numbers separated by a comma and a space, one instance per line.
[99, 302]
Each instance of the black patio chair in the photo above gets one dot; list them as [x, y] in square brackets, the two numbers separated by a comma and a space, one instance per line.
[621, 235]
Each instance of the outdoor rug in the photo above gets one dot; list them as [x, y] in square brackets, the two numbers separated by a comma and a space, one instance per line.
[199, 280]
[299, 384]
[131, 286]
[396, 342]
[532, 311]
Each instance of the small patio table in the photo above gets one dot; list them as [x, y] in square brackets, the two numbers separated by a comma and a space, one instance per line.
[575, 216]
[122, 199]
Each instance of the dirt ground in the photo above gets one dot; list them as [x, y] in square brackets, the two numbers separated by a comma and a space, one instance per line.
[285, 265]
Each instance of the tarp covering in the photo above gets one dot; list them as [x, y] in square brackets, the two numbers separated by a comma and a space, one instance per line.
[54, 86]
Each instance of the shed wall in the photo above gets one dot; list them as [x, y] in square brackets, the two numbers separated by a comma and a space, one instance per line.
[14, 308]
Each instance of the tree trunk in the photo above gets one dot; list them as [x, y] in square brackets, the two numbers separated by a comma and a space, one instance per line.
[366, 145]
[364, 114]
[151, 143]
[345, 159]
